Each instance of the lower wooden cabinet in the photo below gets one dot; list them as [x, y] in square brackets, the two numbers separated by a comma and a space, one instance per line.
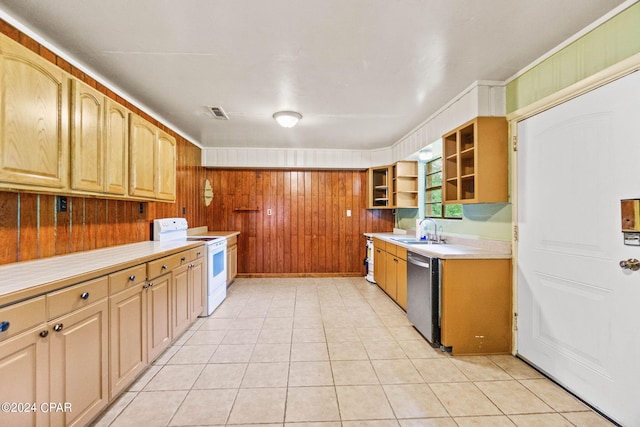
[180, 319]
[79, 365]
[64, 360]
[379, 263]
[158, 315]
[84, 344]
[198, 289]
[127, 336]
[232, 259]
[390, 270]
[476, 301]
[24, 361]
[188, 292]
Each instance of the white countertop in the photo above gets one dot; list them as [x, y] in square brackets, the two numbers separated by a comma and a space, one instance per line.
[455, 250]
[19, 280]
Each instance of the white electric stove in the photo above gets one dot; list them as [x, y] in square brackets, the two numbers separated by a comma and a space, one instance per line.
[171, 229]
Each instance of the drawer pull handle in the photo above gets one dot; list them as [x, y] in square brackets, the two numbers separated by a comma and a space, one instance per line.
[44, 334]
[85, 295]
[150, 284]
[199, 253]
[4, 326]
[145, 287]
[183, 259]
[164, 266]
[58, 327]
[132, 277]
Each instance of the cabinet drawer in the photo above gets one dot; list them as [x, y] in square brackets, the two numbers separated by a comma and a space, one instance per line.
[232, 241]
[391, 249]
[166, 264]
[379, 244]
[78, 296]
[401, 252]
[196, 253]
[22, 316]
[124, 279]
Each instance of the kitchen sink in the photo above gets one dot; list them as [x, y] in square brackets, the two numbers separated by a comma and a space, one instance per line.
[414, 241]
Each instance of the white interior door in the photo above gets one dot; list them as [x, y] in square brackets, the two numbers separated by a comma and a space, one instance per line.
[578, 311]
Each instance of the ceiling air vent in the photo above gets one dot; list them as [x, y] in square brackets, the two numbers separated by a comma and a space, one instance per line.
[218, 113]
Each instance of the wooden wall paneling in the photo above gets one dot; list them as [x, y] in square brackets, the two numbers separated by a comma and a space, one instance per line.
[280, 222]
[77, 225]
[271, 231]
[294, 221]
[309, 232]
[47, 226]
[9, 226]
[101, 222]
[320, 230]
[285, 201]
[91, 224]
[335, 220]
[308, 223]
[28, 230]
[62, 230]
[112, 222]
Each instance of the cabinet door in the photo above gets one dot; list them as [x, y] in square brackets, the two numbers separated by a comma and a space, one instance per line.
[24, 377]
[142, 158]
[476, 306]
[232, 263]
[128, 337]
[390, 276]
[79, 345]
[117, 148]
[401, 283]
[197, 288]
[158, 316]
[166, 167]
[379, 266]
[180, 300]
[87, 139]
[34, 120]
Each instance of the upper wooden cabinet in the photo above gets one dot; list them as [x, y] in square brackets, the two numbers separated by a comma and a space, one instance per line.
[34, 121]
[475, 162]
[116, 126]
[405, 184]
[152, 161]
[60, 135]
[394, 186]
[166, 167]
[99, 142]
[380, 187]
[87, 138]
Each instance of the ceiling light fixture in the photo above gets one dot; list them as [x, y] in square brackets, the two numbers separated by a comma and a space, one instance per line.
[287, 119]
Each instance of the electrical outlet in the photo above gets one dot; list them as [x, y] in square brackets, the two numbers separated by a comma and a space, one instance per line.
[62, 203]
[348, 212]
[140, 208]
[268, 211]
[184, 210]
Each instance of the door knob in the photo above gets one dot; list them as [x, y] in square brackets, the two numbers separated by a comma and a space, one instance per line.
[58, 327]
[630, 264]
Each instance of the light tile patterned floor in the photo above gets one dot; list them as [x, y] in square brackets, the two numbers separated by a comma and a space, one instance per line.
[331, 352]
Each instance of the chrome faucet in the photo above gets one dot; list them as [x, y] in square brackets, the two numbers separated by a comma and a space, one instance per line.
[435, 229]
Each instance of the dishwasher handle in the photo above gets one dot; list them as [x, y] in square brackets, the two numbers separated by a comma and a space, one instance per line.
[418, 261]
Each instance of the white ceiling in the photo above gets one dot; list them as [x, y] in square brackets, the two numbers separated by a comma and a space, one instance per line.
[363, 73]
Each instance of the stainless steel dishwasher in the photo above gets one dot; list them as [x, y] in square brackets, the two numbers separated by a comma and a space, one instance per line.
[423, 295]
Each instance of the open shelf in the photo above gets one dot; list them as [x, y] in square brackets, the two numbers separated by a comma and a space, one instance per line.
[475, 162]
